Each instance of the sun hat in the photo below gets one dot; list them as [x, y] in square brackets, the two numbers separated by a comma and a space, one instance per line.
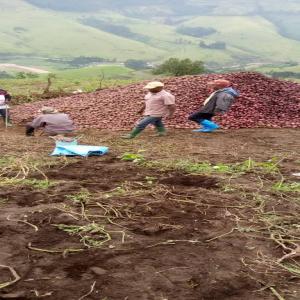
[153, 84]
[48, 110]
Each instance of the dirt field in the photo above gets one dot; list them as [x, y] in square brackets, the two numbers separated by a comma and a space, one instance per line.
[197, 217]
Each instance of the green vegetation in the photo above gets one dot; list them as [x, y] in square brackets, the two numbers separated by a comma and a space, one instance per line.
[177, 67]
[86, 79]
[268, 167]
[92, 235]
[136, 64]
[80, 198]
[287, 187]
[122, 30]
[134, 157]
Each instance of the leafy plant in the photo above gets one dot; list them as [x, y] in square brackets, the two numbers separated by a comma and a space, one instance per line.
[82, 197]
[134, 157]
[287, 187]
[92, 235]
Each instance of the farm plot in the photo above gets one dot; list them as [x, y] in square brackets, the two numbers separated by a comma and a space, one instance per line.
[220, 222]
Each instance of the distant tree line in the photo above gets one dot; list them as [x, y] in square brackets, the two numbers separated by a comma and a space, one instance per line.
[285, 74]
[119, 30]
[216, 45]
[19, 75]
[5, 75]
[137, 64]
[82, 61]
[196, 31]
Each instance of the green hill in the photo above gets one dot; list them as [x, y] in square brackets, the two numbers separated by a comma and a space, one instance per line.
[241, 31]
[32, 32]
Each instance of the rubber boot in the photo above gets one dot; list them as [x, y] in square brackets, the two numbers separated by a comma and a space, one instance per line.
[201, 126]
[209, 126]
[132, 134]
[161, 131]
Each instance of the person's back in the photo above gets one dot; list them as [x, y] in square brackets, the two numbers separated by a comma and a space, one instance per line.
[57, 123]
[51, 122]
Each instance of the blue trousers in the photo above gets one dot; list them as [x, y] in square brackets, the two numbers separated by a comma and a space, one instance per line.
[147, 120]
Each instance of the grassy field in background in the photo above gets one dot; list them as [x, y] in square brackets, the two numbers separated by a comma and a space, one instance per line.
[87, 79]
[267, 69]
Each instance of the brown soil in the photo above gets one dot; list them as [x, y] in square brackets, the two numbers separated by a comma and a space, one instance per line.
[180, 231]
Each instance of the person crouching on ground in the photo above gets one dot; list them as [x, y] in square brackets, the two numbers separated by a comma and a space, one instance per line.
[5, 97]
[219, 102]
[51, 122]
[158, 104]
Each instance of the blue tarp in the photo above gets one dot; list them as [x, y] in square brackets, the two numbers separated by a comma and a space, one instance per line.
[73, 149]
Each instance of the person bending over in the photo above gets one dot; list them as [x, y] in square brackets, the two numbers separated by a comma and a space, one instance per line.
[51, 121]
[219, 102]
[158, 104]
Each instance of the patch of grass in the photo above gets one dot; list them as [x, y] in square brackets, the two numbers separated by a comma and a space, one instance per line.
[83, 197]
[35, 183]
[270, 166]
[85, 79]
[291, 187]
[134, 157]
[292, 268]
[91, 235]
[3, 201]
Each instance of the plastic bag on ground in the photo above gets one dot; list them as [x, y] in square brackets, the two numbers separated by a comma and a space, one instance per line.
[73, 149]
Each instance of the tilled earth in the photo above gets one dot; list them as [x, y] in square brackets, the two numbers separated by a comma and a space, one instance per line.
[158, 234]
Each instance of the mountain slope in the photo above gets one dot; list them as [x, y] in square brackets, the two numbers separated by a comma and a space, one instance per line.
[33, 31]
[250, 30]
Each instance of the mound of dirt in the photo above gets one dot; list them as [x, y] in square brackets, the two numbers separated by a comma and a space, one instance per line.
[264, 102]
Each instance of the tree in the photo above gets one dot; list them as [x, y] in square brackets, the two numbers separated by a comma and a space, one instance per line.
[177, 67]
[21, 75]
[49, 83]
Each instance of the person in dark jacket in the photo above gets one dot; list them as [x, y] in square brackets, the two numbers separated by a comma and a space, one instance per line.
[219, 102]
[5, 97]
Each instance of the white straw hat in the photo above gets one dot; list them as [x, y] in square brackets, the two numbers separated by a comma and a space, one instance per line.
[153, 85]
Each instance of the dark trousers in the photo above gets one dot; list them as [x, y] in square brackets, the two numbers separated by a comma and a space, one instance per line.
[156, 121]
[198, 117]
[3, 114]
